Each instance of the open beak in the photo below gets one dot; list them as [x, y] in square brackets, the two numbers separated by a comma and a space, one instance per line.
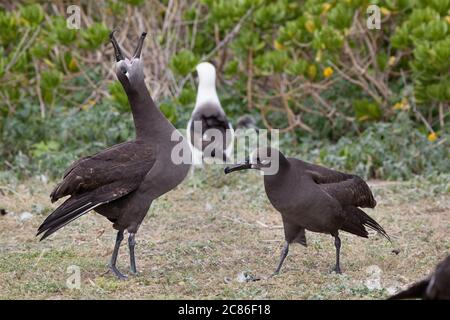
[137, 52]
[238, 167]
[117, 52]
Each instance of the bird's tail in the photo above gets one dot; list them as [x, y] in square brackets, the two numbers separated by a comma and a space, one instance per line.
[358, 220]
[417, 290]
[71, 209]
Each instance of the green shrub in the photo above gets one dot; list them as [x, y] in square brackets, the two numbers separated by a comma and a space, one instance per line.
[396, 150]
[289, 63]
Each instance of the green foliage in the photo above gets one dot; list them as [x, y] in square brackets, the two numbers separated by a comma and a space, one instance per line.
[183, 62]
[395, 150]
[32, 144]
[119, 96]
[95, 35]
[425, 31]
[169, 110]
[49, 82]
[366, 110]
[33, 14]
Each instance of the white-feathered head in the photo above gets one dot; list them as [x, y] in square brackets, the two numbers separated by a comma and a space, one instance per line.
[206, 74]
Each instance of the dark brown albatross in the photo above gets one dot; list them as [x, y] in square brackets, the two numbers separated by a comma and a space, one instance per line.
[311, 197]
[121, 182]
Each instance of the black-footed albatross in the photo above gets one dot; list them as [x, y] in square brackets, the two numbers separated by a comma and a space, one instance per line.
[121, 182]
[314, 198]
[435, 287]
[209, 133]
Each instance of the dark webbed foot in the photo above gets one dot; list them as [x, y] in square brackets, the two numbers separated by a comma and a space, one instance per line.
[337, 269]
[117, 273]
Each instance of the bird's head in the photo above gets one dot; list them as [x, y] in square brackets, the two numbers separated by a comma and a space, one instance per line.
[265, 159]
[206, 74]
[129, 71]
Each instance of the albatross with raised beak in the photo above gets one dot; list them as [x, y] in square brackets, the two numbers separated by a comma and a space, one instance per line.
[121, 182]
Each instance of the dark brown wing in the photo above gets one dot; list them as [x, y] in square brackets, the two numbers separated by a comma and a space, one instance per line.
[325, 175]
[77, 162]
[349, 190]
[99, 179]
[128, 163]
[352, 192]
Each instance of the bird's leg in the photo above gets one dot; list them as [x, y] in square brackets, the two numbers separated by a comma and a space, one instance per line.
[284, 253]
[337, 244]
[131, 244]
[112, 264]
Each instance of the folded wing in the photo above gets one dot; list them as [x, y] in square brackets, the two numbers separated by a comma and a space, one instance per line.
[99, 179]
[348, 189]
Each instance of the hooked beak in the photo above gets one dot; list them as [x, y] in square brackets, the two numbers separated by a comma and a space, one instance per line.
[238, 167]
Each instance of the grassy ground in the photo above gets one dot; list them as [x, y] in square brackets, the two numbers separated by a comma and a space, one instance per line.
[197, 239]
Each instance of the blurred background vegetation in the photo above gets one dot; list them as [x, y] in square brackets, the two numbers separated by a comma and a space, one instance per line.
[375, 102]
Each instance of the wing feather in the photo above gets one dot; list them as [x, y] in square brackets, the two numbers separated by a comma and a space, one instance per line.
[348, 189]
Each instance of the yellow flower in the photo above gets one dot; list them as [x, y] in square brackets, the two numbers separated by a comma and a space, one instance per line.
[278, 45]
[88, 104]
[385, 11]
[398, 106]
[328, 72]
[432, 136]
[326, 7]
[391, 61]
[401, 105]
[309, 25]
[448, 19]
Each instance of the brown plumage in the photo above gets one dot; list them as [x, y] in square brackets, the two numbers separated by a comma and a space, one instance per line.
[121, 182]
[315, 198]
[434, 287]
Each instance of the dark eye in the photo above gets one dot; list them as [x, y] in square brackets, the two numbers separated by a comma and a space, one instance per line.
[123, 69]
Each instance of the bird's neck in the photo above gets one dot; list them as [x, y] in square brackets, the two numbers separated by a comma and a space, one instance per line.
[148, 119]
[282, 173]
[207, 93]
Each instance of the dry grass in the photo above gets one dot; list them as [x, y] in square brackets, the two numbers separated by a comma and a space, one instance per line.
[197, 239]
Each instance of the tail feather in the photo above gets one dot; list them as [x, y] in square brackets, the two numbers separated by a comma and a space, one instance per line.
[70, 210]
[68, 206]
[417, 290]
[358, 220]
